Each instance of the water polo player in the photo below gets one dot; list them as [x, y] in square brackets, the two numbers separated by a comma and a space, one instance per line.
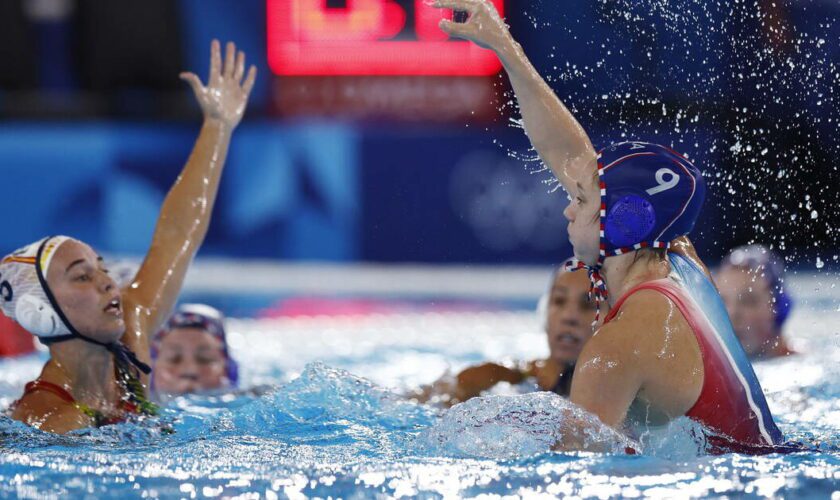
[751, 283]
[98, 336]
[566, 315]
[666, 349]
[190, 354]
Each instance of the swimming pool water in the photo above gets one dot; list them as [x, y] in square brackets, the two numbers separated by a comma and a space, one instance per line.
[332, 424]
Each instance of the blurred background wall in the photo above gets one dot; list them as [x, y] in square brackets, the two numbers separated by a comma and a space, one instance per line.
[414, 156]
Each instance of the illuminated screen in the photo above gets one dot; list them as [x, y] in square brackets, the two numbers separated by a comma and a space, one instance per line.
[369, 37]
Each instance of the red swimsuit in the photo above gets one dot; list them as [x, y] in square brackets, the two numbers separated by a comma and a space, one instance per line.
[126, 407]
[726, 404]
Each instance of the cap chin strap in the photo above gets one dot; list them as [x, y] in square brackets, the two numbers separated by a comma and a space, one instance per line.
[123, 356]
[597, 286]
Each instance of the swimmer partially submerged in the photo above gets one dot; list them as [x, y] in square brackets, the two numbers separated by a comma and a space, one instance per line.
[751, 283]
[667, 346]
[190, 354]
[98, 335]
[566, 314]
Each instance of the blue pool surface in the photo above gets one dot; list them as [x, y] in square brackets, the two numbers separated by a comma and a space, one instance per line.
[330, 422]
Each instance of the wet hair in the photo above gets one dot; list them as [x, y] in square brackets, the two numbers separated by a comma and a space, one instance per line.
[596, 179]
[651, 254]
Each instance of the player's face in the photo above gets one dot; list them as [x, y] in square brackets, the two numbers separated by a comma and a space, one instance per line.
[570, 316]
[749, 302]
[583, 214]
[190, 360]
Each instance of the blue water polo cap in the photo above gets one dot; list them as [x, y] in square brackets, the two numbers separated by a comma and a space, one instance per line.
[650, 195]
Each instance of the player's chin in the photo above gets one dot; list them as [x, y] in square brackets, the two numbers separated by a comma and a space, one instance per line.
[587, 257]
[114, 329]
[565, 356]
[107, 330]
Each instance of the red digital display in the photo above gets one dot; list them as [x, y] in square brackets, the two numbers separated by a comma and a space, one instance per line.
[369, 37]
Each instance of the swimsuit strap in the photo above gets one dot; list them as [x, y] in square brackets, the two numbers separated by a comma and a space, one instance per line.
[43, 385]
[647, 285]
[64, 395]
[127, 406]
[135, 399]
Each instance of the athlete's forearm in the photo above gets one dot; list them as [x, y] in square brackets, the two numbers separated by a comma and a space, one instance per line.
[180, 231]
[477, 379]
[560, 140]
[185, 213]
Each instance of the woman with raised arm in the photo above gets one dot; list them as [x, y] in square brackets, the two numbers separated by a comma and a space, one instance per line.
[666, 349]
[98, 335]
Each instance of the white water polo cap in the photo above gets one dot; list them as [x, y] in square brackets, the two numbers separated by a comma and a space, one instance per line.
[24, 294]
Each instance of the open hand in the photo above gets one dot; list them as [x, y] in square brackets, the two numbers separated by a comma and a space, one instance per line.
[226, 95]
[484, 26]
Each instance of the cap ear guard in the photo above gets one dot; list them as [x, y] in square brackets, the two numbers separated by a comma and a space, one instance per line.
[782, 306]
[649, 195]
[232, 371]
[26, 297]
[629, 221]
[38, 316]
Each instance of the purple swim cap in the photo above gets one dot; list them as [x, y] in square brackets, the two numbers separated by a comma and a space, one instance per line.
[205, 318]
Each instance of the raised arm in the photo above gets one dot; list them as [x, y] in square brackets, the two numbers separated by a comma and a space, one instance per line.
[554, 132]
[185, 214]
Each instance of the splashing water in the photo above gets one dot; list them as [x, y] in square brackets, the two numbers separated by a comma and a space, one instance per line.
[328, 432]
[503, 427]
[747, 90]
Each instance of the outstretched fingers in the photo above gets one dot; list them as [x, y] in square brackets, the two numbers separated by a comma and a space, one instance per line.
[194, 81]
[230, 54]
[470, 6]
[240, 66]
[215, 61]
[249, 80]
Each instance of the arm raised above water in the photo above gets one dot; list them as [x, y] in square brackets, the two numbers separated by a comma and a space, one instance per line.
[185, 214]
[560, 140]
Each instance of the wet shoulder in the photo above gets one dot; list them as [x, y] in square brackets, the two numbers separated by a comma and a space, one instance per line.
[650, 326]
[664, 349]
[49, 412]
[643, 312]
